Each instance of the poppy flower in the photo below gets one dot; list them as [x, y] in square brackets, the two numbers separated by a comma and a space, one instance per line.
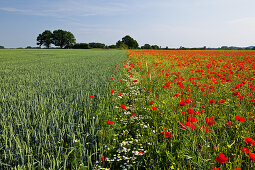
[229, 124]
[111, 78]
[221, 158]
[205, 129]
[209, 121]
[112, 91]
[120, 94]
[168, 135]
[123, 107]
[103, 158]
[192, 119]
[91, 96]
[211, 101]
[135, 80]
[236, 93]
[238, 118]
[154, 108]
[132, 114]
[181, 103]
[151, 102]
[221, 101]
[215, 169]
[252, 156]
[249, 141]
[245, 150]
[109, 122]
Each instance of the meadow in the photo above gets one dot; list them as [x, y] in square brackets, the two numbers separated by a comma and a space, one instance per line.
[134, 109]
[187, 110]
[48, 120]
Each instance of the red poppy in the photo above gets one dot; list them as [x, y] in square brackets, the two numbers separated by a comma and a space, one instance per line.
[205, 129]
[221, 158]
[121, 81]
[236, 93]
[192, 119]
[135, 80]
[221, 101]
[91, 96]
[245, 150]
[132, 114]
[238, 118]
[229, 124]
[151, 102]
[168, 135]
[209, 121]
[211, 101]
[123, 107]
[249, 141]
[215, 169]
[103, 158]
[252, 156]
[109, 122]
[112, 91]
[120, 94]
[154, 108]
[111, 78]
[190, 111]
[181, 103]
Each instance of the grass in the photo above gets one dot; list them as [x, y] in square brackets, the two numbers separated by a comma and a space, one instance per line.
[47, 120]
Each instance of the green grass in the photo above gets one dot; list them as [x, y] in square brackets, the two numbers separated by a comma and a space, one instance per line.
[47, 120]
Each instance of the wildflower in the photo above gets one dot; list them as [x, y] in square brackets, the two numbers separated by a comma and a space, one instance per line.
[238, 118]
[91, 96]
[181, 103]
[123, 107]
[112, 91]
[192, 119]
[221, 101]
[190, 111]
[215, 169]
[154, 108]
[135, 80]
[249, 141]
[109, 122]
[252, 156]
[120, 94]
[211, 101]
[209, 121]
[151, 102]
[229, 124]
[103, 158]
[111, 78]
[221, 158]
[132, 114]
[236, 93]
[168, 135]
[245, 150]
[205, 129]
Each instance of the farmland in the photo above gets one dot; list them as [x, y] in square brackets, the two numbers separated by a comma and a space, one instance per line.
[47, 119]
[146, 109]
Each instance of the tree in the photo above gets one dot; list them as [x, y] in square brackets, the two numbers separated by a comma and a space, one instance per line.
[45, 39]
[97, 45]
[130, 42]
[155, 47]
[146, 46]
[63, 39]
[1, 47]
[121, 45]
[81, 46]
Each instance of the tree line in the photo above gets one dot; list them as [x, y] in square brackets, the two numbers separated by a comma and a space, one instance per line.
[65, 39]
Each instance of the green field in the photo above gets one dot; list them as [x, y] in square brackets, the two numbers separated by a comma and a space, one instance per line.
[47, 119]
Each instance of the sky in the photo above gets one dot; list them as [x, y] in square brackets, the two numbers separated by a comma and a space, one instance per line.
[172, 23]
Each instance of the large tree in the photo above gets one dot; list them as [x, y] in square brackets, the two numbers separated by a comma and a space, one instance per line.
[130, 42]
[45, 39]
[63, 39]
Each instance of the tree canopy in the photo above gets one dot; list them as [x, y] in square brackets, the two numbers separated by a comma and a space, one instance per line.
[129, 41]
[61, 38]
[45, 39]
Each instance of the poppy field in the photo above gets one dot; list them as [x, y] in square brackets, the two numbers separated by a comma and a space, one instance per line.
[183, 110]
[134, 109]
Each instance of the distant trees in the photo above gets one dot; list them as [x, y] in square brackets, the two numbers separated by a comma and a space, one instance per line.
[97, 45]
[129, 42]
[81, 46]
[61, 38]
[45, 39]
[146, 46]
[1, 47]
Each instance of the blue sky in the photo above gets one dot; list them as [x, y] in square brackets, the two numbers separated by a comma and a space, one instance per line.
[172, 23]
